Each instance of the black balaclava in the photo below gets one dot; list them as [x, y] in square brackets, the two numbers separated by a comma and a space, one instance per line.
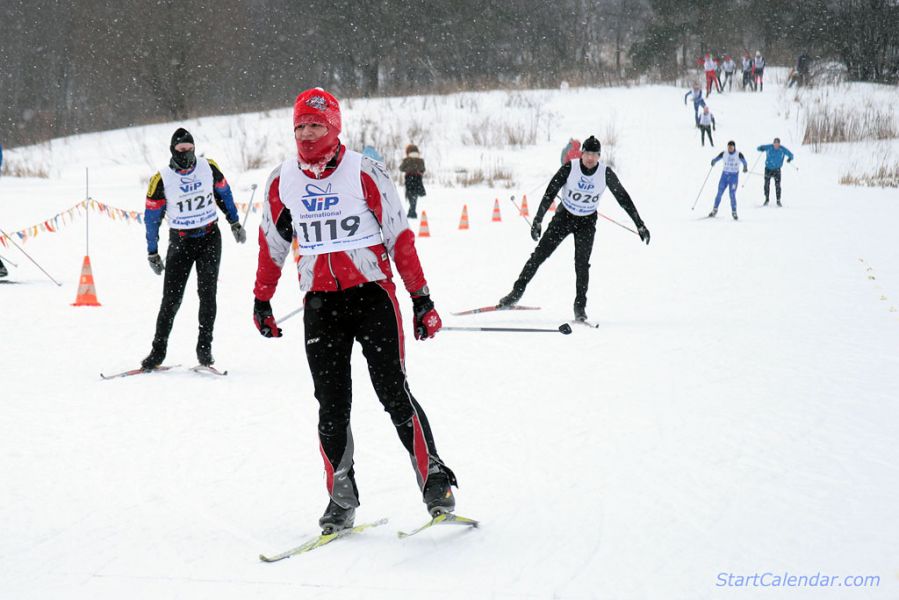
[182, 160]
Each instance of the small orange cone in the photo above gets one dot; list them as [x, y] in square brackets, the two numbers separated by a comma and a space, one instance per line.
[552, 207]
[87, 293]
[424, 230]
[524, 206]
[463, 222]
[497, 217]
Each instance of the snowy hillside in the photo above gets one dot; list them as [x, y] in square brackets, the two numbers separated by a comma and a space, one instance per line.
[735, 413]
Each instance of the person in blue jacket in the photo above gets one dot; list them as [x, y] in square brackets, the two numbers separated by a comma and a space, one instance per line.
[698, 101]
[774, 160]
[729, 176]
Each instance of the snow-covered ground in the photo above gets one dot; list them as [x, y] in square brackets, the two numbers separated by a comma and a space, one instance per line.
[736, 411]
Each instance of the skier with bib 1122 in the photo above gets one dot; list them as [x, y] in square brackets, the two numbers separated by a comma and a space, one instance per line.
[188, 191]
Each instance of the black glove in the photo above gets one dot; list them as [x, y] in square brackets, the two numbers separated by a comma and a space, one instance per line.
[264, 319]
[713, 163]
[789, 160]
[156, 263]
[713, 128]
[643, 233]
[240, 234]
[536, 230]
[745, 170]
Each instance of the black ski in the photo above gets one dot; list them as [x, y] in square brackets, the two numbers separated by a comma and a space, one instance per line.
[208, 370]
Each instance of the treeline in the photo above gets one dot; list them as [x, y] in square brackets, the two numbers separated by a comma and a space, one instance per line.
[84, 65]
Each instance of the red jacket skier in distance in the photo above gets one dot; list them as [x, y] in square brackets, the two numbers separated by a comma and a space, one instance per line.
[338, 270]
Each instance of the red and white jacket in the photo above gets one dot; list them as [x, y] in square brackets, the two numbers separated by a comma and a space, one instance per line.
[334, 271]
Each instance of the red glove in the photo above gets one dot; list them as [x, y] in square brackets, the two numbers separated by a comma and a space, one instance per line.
[425, 321]
[264, 320]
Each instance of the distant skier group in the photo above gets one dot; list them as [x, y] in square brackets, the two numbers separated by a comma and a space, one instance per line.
[753, 69]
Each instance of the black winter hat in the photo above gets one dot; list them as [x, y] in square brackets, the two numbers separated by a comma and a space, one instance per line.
[181, 136]
[591, 144]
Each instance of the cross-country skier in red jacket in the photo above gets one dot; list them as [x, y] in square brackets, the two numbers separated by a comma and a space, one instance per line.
[349, 222]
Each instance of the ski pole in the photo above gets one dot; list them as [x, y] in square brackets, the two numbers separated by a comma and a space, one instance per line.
[617, 223]
[752, 169]
[564, 329]
[9, 261]
[249, 205]
[288, 315]
[528, 221]
[704, 181]
[13, 242]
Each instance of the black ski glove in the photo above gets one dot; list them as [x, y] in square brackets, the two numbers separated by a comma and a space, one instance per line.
[643, 233]
[264, 319]
[536, 230]
[240, 234]
[156, 263]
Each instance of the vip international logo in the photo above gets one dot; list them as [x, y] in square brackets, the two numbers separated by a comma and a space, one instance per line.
[585, 184]
[317, 199]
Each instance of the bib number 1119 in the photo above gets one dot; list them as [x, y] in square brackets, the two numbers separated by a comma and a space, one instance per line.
[348, 226]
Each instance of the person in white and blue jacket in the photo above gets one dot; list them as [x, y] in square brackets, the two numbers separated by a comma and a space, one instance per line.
[729, 176]
[774, 160]
[698, 101]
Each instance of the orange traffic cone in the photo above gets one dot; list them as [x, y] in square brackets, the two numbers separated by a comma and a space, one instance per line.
[552, 207]
[524, 206]
[87, 294]
[497, 217]
[463, 222]
[424, 230]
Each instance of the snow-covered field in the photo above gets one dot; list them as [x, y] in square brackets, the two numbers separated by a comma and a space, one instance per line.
[736, 412]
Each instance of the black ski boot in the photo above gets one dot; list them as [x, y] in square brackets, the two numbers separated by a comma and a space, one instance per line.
[3, 271]
[204, 356]
[156, 356]
[778, 202]
[510, 299]
[580, 313]
[336, 518]
[714, 212]
[438, 492]
[734, 215]
[766, 202]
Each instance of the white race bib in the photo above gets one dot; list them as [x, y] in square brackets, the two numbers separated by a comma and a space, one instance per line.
[329, 214]
[581, 193]
[189, 201]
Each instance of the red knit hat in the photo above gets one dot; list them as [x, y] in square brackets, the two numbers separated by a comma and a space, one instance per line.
[317, 106]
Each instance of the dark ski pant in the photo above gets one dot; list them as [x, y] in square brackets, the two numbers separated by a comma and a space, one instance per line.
[706, 130]
[728, 81]
[412, 199]
[183, 253]
[334, 321]
[563, 225]
[769, 173]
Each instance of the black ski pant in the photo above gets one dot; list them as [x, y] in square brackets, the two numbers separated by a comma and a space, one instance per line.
[183, 253]
[769, 173]
[563, 225]
[334, 321]
[706, 130]
[728, 80]
[413, 203]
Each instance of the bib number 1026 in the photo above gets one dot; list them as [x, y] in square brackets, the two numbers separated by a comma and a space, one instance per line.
[194, 203]
[348, 226]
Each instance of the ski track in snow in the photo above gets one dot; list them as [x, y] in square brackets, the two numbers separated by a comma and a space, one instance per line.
[735, 411]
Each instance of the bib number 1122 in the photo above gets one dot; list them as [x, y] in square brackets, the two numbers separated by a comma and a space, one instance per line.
[348, 225]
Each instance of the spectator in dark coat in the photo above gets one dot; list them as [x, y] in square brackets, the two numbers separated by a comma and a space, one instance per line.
[413, 167]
